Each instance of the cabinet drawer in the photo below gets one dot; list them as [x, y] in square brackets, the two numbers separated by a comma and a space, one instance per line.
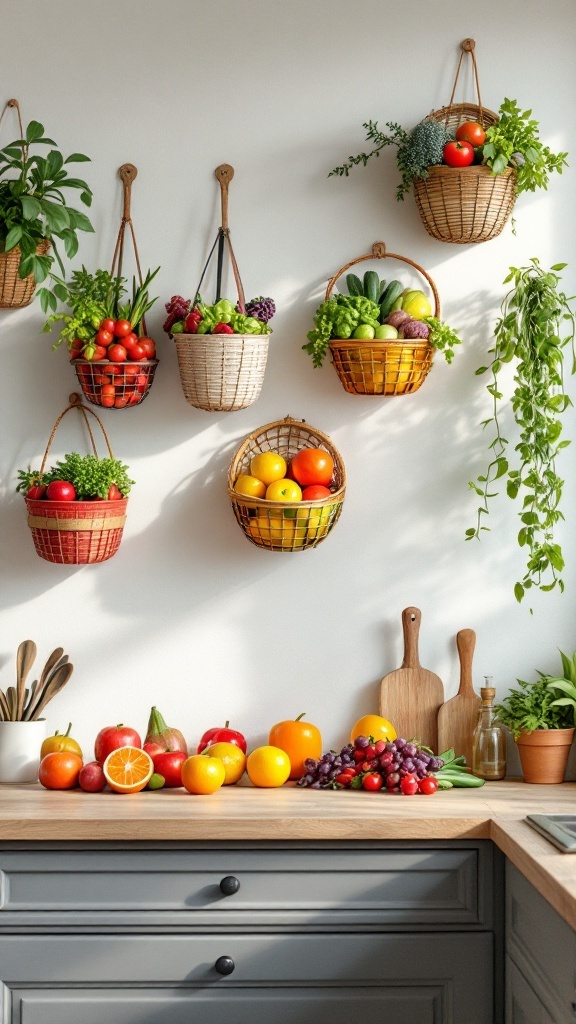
[542, 945]
[364, 885]
[309, 980]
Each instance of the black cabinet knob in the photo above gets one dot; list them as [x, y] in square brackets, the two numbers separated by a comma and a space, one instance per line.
[224, 965]
[229, 885]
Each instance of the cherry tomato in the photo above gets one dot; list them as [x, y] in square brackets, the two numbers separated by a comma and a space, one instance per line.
[136, 352]
[122, 328]
[36, 492]
[131, 370]
[121, 401]
[369, 752]
[316, 491]
[113, 369]
[117, 353]
[345, 778]
[372, 782]
[409, 785]
[104, 338]
[428, 785]
[76, 345]
[60, 490]
[130, 340]
[149, 347]
[472, 132]
[114, 493]
[458, 154]
[312, 466]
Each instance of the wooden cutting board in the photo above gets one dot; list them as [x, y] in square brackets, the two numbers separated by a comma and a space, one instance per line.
[411, 696]
[458, 717]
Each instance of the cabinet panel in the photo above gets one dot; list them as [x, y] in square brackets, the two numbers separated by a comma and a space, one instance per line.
[522, 1003]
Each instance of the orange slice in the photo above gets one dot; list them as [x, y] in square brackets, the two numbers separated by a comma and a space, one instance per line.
[128, 769]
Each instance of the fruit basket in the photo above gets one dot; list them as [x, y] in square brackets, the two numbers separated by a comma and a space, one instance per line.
[222, 372]
[73, 532]
[465, 204]
[290, 525]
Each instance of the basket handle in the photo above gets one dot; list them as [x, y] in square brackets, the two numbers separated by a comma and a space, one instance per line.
[378, 252]
[13, 104]
[467, 46]
[127, 173]
[75, 401]
[224, 173]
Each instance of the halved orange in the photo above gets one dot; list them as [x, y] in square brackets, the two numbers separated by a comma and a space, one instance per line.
[128, 769]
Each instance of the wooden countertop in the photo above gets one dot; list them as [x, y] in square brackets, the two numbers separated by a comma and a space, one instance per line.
[496, 812]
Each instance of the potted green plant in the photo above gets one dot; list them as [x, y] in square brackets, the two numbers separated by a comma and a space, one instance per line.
[542, 729]
[34, 213]
[529, 334]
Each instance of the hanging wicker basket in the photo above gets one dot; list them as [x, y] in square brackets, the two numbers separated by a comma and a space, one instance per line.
[15, 291]
[290, 526]
[114, 385]
[397, 367]
[76, 532]
[221, 372]
[465, 204]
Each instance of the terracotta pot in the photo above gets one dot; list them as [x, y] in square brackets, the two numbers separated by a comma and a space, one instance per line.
[544, 754]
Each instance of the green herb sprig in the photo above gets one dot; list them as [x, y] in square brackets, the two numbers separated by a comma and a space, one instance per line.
[91, 477]
[515, 141]
[532, 706]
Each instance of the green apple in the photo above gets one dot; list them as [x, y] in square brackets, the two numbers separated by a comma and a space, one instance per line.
[386, 332]
[364, 332]
[416, 304]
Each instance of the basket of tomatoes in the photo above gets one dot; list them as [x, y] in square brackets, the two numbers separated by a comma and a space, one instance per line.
[77, 507]
[287, 483]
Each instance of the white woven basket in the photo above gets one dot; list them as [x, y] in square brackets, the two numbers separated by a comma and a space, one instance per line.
[221, 372]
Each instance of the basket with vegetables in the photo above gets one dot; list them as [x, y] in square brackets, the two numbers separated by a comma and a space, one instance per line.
[222, 348]
[382, 335]
[287, 483]
[77, 507]
[105, 330]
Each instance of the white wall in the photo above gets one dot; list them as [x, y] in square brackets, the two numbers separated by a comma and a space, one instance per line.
[189, 615]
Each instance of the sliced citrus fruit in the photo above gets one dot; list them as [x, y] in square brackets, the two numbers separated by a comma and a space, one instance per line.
[128, 769]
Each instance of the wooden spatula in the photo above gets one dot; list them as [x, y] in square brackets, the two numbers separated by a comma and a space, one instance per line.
[411, 696]
[458, 717]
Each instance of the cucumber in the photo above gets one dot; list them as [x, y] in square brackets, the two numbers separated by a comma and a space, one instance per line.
[371, 285]
[354, 285]
[393, 290]
[382, 290]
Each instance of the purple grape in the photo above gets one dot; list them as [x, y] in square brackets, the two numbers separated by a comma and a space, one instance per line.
[400, 743]
[411, 749]
[362, 742]
[315, 785]
[324, 768]
[310, 764]
[409, 764]
[391, 748]
[420, 763]
[434, 764]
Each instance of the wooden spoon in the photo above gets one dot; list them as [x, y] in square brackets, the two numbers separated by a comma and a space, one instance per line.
[56, 682]
[25, 657]
[4, 709]
[11, 700]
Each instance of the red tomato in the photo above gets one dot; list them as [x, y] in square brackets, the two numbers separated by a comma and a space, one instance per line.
[122, 328]
[129, 340]
[107, 401]
[472, 132]
[113, 369]
[130, 370]
[117, 353]
[221, 734]
[345, 778]
[136, 352]
[113, 493]
[104, 338]
[60, 490]
[312, 466]
[112, 737]
[169, 764]
[121, 401]
[76, 345]
[409, 785]
[109, 389]
[142, 383]
[107, 325]
[316, 491]
[428, 785]
[36, 492]
[458, 154]
[149, 347]
[373, 782]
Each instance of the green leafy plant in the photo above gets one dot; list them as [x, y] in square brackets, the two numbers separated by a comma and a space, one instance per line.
[91, 477]
[529, 334]
[515, 141]
[566, 684]
[532, 706]
[33, 207]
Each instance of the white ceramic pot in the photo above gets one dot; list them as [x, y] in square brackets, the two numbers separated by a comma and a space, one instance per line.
[20, 744]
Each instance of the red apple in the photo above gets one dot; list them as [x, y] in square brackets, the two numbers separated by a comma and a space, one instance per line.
[91, 778]
[169, 764]
[222, 734]
[112, 737]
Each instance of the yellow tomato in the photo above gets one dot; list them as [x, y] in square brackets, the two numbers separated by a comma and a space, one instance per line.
[277, 531]
[284, 490]
[203, 775]
[417, 305]
[232, 757]
[319, 521]
[268, 467]
[60, 742]
[250, 486]
[373, 725]
[268, 767]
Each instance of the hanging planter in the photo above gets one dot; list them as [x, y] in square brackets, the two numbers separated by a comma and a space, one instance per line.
[15, 291]
[68, 530]
[381, 336]
[222, 349]
[285, 525]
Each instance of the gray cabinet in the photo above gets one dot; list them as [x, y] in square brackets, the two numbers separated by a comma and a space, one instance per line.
[312, 932]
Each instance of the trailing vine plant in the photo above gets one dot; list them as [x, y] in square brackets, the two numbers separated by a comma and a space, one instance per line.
[529, 333]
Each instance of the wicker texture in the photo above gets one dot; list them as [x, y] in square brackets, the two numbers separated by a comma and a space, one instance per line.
[382, 367]
[17, 292]
[76, 532]
[221, 372]
[290, 526]
[132, 382]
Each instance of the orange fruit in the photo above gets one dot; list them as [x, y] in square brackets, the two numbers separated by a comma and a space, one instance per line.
[300, 740]
[60, 770]
[232, 757]
[268, 766]
[128, 769]
[373, 725]
[250, 486]
[268, 467]
[203, 775]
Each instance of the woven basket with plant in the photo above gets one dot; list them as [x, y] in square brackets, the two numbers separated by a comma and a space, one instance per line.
[289, 522]
[77, 507]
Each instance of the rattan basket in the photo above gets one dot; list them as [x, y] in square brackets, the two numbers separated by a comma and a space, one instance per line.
[15, 291]
[76, 532]
[291, 526]
[397, 367]
[114, 385]
[221, 372]
[465, 204]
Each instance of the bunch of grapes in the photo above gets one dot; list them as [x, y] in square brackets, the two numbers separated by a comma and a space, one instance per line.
[260, 307]
[389, 762]
[177, 309]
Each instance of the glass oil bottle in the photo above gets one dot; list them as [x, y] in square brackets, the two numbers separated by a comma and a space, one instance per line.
[489, 742]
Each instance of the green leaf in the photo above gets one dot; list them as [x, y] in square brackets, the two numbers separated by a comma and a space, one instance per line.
[34, 132]
[518, 592]
[13, 237]
[76, 158]
[31, 208]
[56, 216]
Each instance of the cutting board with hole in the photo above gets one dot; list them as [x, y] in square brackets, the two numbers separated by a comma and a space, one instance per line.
[411, 696]
[458, 717]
